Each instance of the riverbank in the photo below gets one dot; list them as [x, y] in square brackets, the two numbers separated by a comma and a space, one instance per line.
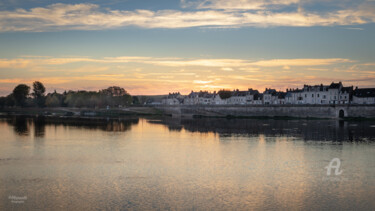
[283, 112]
[272, 111]
[83, 112]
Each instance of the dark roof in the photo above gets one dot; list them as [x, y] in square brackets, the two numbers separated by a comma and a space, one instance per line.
[281, 95]
[253, 92]
[295, 90]
[364, 92]
[270, 91]
[239, 93]
[348, 89]
[258, 96]
[320, 87]
[335, 85]
[204, 94]
[174, 95]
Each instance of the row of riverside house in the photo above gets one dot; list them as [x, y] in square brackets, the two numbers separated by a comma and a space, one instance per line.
[335, 93]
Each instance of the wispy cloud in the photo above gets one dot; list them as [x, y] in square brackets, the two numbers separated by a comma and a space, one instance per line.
[355, 28]
[299, 62]
[224, 64]
[218, 13]
[236, 4]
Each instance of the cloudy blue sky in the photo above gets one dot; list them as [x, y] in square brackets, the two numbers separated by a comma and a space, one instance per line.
[154, 47]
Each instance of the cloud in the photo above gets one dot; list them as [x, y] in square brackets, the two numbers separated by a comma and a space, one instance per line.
[355, 28]
[218, 14]
[299, 62]
[237, 4]
[201, 82]
[227, 69]
[14, 63]
[317, 69]
[224, 64]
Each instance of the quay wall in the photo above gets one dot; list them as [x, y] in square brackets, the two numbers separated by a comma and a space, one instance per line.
[300, 111]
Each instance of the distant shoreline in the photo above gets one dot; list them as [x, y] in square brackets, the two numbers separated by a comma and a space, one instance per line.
[64, 112]
[273, 111]
[277, 112]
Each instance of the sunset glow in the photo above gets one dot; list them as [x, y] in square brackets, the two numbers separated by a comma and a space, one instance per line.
[168, 46]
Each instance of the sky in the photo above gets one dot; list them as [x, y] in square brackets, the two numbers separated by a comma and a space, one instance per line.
[154, 47]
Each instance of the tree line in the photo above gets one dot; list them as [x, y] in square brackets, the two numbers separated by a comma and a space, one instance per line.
[21, 97]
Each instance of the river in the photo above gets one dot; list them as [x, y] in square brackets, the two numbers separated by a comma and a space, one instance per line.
[186, 164]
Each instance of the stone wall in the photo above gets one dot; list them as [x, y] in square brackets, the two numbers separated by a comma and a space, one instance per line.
[302, 111]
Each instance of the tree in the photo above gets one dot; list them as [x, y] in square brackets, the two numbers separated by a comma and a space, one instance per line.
[38, 93]
[136, 100]
[224, 94]
[52, 101]
[20, 94]
[2, 101]
[9, 100]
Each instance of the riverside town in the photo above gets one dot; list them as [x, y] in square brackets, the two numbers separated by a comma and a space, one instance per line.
[335, 93]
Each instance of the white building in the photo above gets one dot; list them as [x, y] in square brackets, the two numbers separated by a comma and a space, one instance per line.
[258, 99]
[238, 98]
[278, 98]
[294, 96]
[218, 100]
[267, 96]
[335, 93]
[173, 99]
[192, 98]
[317, 94]
[250, 97]
[364, 96]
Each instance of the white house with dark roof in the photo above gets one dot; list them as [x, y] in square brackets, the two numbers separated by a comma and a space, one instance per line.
[268, 96]
[335, 93]
[173, 99]
[317, 94]
[364, 96]
[238, 97]
[250, 97]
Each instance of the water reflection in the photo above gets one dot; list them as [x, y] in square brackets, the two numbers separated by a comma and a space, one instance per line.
[308, 130]
[39, 127]
[22, 125]
[173, 164]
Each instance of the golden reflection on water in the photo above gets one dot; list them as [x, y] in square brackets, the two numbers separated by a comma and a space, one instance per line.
[145, 164]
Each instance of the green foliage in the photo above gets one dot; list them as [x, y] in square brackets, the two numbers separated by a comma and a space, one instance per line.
[38, 93]
[225, 94]
[9, 100]
[84, 99]
[79, 99]
[53, 101]
[20, 94]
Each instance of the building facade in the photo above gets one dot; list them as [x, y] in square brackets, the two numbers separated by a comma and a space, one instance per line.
[332, 94]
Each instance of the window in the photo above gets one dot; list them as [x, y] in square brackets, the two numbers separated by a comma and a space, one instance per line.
[312, 95]
[318, 95]
[305, 95]
[324, 97]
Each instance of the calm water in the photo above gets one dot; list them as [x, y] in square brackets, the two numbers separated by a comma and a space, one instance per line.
[201, 164]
